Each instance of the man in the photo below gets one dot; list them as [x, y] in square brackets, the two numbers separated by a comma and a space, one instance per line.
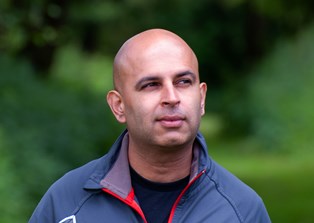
[158, 170]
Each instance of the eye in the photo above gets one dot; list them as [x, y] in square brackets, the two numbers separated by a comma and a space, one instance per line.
[150, 85]
[184, 82]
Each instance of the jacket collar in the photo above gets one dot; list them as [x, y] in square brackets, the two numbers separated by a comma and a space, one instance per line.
[112, 171]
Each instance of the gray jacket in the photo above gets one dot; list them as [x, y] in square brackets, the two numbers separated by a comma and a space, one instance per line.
[101, 192]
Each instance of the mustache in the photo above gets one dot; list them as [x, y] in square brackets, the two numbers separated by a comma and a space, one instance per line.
[170, 114]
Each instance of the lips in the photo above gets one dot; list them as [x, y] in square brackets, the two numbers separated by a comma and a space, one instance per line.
[171, 121]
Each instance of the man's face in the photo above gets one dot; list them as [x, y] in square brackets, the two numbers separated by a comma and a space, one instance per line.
[162, 97]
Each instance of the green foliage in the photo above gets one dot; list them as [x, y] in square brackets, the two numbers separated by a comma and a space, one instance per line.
[276, 158]
[285, 183]
[281, 90]
[45, 130]
[53, 124]
[227, 35]
[80, 72]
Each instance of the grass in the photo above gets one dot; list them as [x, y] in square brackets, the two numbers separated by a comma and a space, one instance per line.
[284, 182]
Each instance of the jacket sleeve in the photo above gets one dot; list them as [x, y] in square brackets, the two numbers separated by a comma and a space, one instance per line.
[257, 213]
[63, 198]
[44, 211]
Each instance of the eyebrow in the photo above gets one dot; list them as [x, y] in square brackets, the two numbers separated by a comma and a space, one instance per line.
[157, 78]
[186, 73]
[139, 84]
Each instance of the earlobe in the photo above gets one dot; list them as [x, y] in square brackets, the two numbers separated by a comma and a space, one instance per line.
[203, 90]
[115, 103]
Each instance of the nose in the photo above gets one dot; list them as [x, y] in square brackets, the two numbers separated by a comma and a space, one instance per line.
[170, 96]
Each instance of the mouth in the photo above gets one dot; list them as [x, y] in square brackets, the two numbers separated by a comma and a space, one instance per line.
[171, 121]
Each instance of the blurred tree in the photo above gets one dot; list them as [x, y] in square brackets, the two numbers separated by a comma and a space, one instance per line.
[229, 36]
[46, 128]
[281, 96]
[33, 30]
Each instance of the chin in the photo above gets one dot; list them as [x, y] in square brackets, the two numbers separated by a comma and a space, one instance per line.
[175, 140]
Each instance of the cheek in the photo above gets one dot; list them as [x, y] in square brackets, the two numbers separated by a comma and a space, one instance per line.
[138, 111]
[194, 107]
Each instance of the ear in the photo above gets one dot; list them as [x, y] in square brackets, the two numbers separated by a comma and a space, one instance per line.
[203, 90]
[114, 100]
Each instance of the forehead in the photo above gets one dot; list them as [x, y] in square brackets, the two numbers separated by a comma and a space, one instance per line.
[154, 52]
[163, 58]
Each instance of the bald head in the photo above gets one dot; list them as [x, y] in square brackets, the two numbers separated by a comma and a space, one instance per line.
[158, 94]
[133, 52]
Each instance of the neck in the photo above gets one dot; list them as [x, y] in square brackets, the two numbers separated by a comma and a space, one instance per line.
[160, 165]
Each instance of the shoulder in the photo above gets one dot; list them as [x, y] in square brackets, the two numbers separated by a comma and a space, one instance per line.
[245, 201]
[67, 193]
[77, 177]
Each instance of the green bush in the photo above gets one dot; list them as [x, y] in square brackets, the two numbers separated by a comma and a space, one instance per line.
[281, 95]
[46, 128]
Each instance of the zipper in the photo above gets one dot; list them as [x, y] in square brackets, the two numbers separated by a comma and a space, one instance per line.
[129, 200]
[181, 195]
